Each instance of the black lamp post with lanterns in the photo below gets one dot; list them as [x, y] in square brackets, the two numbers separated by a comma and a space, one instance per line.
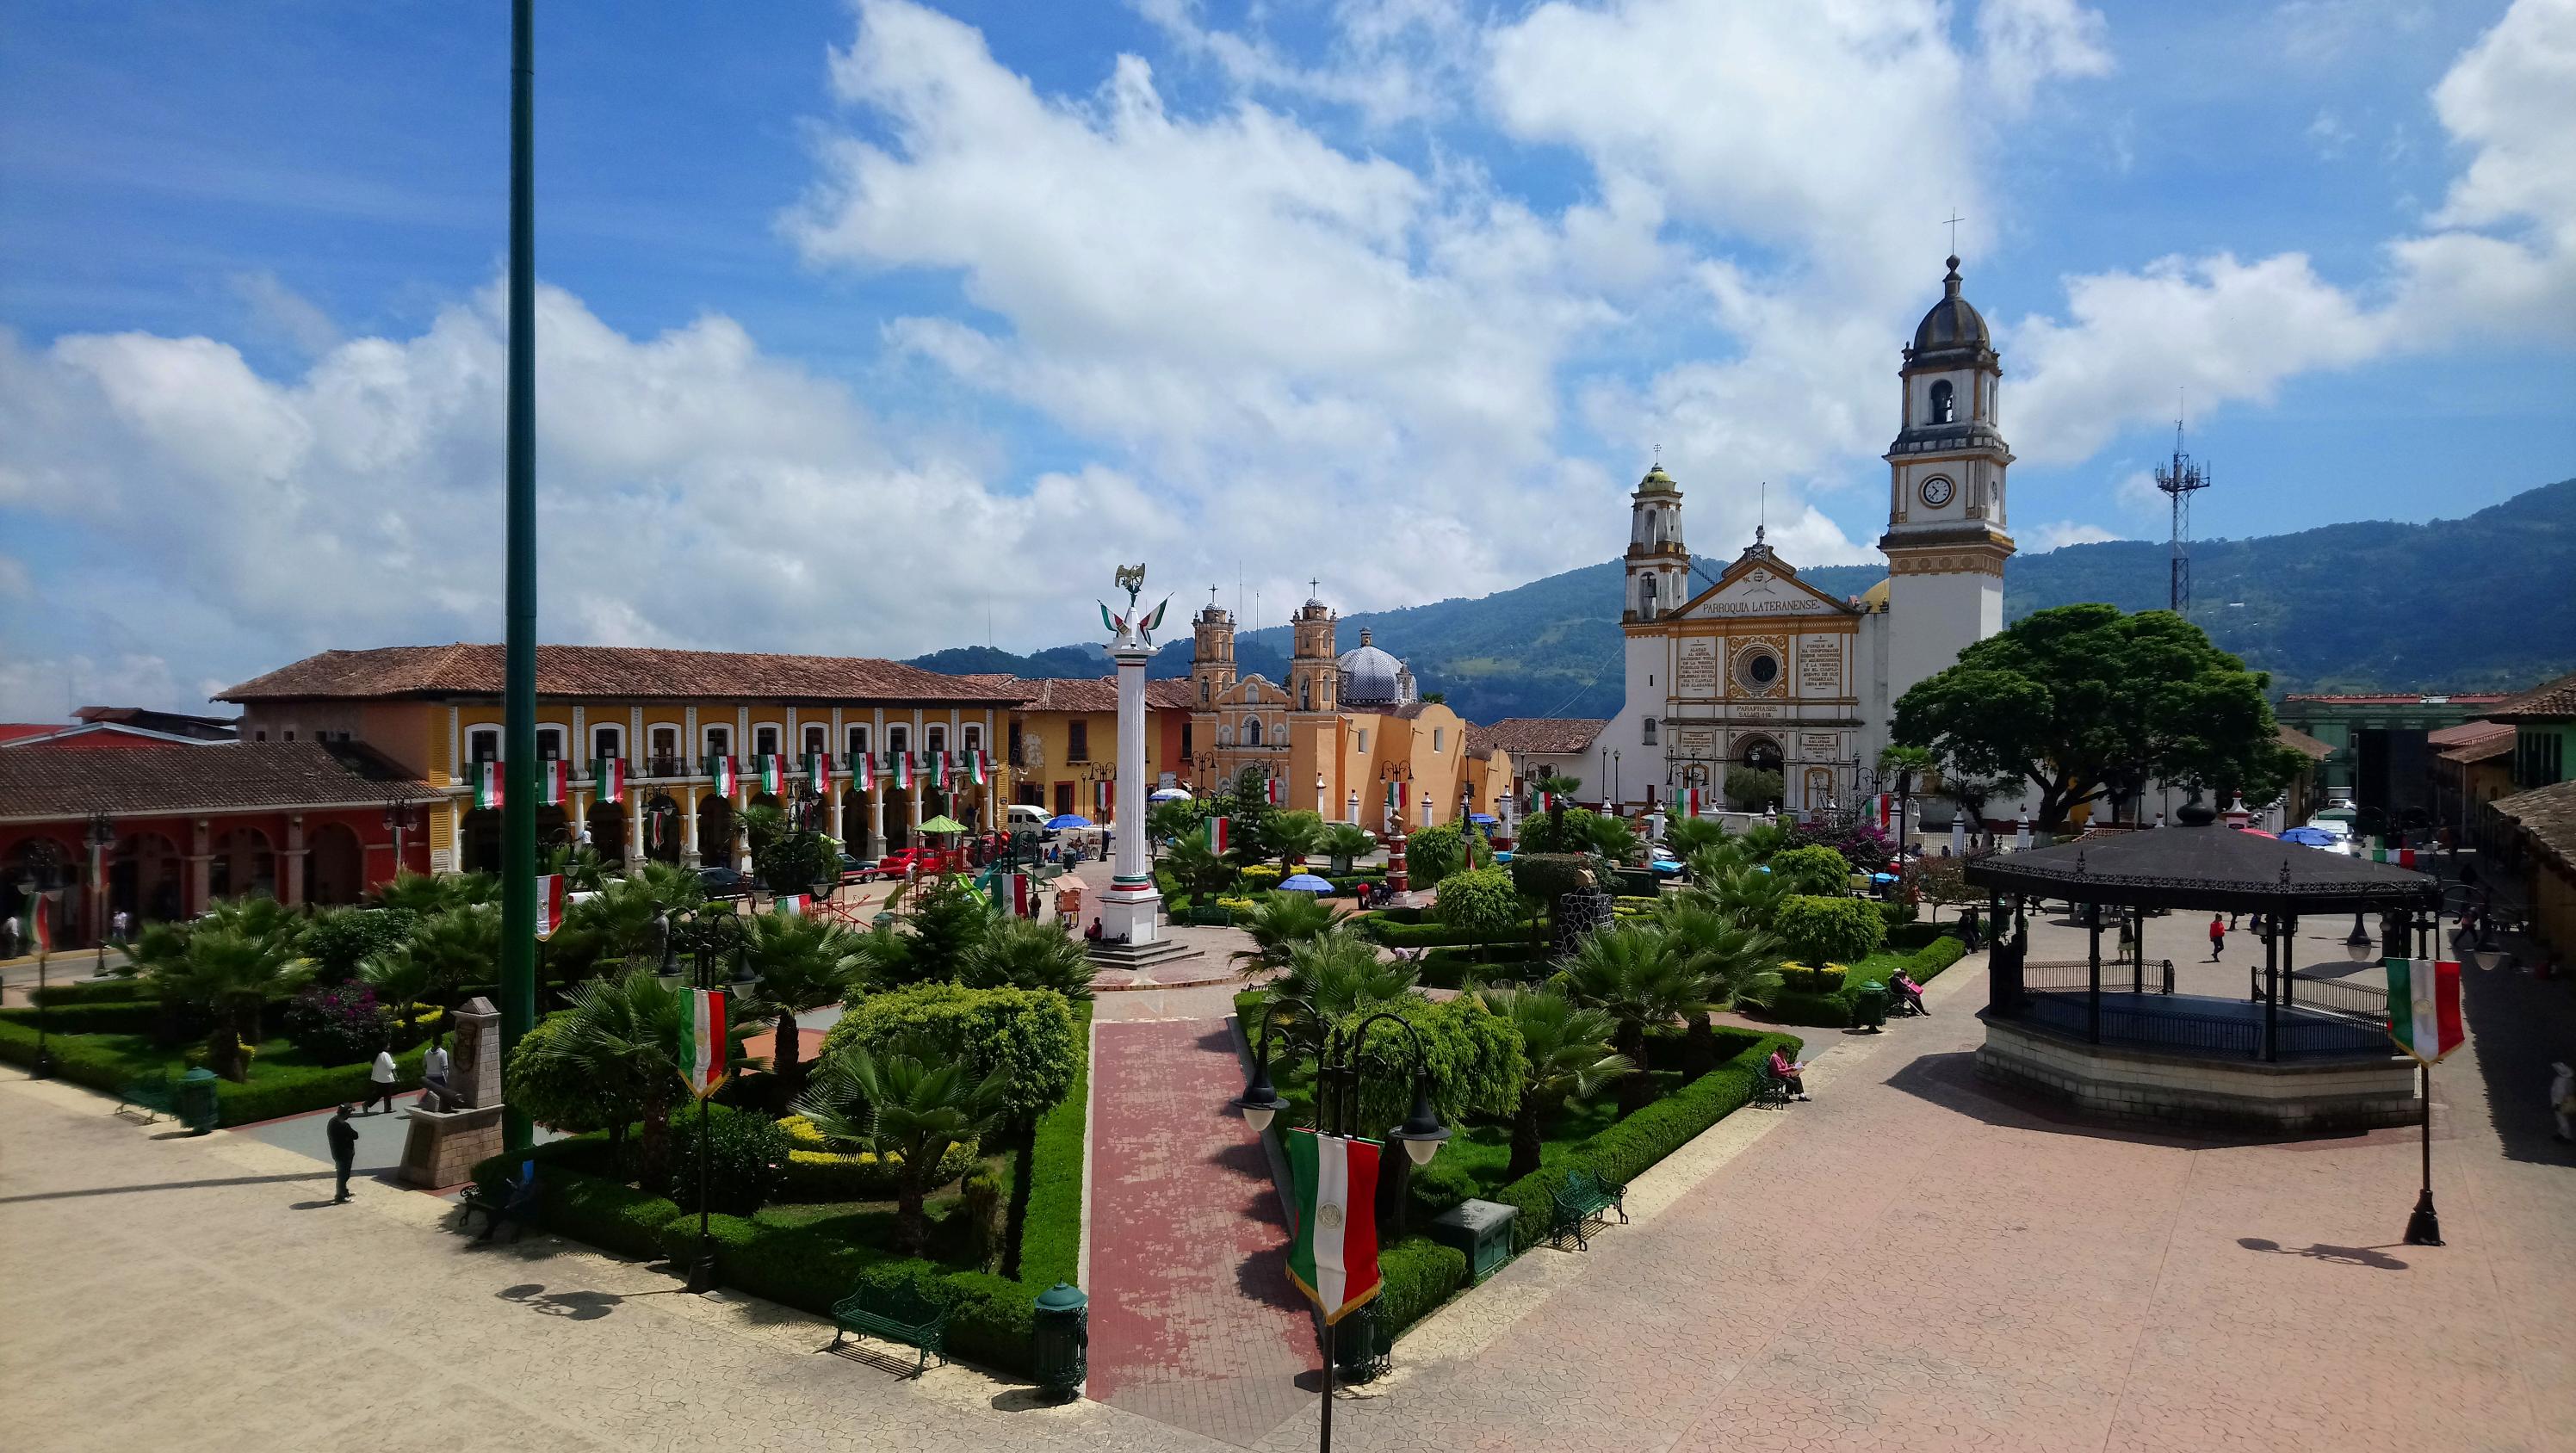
[1339, 1068]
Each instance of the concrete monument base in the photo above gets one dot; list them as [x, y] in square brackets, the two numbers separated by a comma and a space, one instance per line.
[441, 1147]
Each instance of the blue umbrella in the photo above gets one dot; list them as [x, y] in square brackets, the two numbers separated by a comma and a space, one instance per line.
[1483, 819]
[1070, 819]
[2308, 837]
[1305, 883]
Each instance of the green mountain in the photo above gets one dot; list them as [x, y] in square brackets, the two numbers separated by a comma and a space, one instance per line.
[2484, 602]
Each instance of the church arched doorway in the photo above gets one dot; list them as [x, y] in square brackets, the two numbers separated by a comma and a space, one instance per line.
[1755, 750]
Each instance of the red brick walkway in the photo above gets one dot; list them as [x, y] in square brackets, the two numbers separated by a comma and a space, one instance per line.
[1193, 1322]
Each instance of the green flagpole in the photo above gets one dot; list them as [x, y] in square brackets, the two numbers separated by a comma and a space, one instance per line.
[519, 686]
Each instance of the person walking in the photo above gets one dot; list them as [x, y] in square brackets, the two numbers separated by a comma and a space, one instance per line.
[2217, 936]
[380, 1080]
[344, 1151]
[433, 1075]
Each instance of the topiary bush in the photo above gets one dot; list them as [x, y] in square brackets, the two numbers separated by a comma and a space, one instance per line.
[1803, 979]
[1026, 1036]
[1481, 903]
[338, 1025]
[814, 1172]
[1812, 870]
[337, 940]
[1415, 1276]
[745, 1158]
[1821, 930]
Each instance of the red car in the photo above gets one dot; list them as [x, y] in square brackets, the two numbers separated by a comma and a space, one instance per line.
[917, 862]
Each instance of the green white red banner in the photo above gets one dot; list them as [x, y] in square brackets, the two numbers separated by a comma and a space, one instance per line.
[773, 773]
[487, 783]
[702, 1041]
[554, 775]
[608, 776]
[721, 778]
[903, 771]
[550, 904]
[1333, 1257]
[863, 771]
[792, 905]
[818, 772]
[980, 763]
[2400, 857]
[1217, 834]
[2424, 1007]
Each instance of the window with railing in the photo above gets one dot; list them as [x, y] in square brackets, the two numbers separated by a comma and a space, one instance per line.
[898, 740]
[607, 741]
[482, 745]
[817, 739]
[550, 744]
[858, 742]
[938, 740]
[719, 742]
[1077, 740]
[764, 741]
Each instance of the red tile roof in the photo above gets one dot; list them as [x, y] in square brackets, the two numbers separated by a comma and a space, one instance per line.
[2484, 750]
[233, 777]
[2401, 698]
[2549, 699]
[1543, 735]
[2468, 733]
[614, 671]
[2308, 746]
[1097, 693]
[2548, 814]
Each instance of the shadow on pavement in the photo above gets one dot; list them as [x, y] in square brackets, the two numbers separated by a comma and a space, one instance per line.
[319, 1175]
[2522, 1025]
[2369, 1256]
[575, 1306]
[1950, 1081]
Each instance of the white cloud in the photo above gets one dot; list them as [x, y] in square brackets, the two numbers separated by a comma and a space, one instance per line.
[2027, 42]
[282, 312]
[2057, 534]
[51, 688]
[2502, 263]
[1391, 60]
[2329, 134]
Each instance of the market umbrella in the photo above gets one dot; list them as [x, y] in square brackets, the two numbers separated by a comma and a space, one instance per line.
[1167, 794]
[943, 823]
[1483, 819]
[2309, 837]
[1305, 883]
[1066, 820]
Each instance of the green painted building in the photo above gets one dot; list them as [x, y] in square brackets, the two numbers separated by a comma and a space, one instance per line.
[2544, 733]
[2381, 761]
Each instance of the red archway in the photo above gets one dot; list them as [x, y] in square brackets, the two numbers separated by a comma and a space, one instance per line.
[244, 866]
[335, 865]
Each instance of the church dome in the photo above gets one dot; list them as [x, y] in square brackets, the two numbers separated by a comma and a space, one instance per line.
[1874, 598]
[1952, 323]
[1370, 678]
[1657, 482]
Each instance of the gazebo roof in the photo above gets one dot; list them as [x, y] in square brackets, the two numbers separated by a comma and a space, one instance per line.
[2204, 866]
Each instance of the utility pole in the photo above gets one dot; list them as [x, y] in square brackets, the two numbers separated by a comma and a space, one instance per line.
[2180, 479]
[519, 678]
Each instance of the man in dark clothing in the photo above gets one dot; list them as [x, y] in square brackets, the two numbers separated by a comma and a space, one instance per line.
[344, 1150]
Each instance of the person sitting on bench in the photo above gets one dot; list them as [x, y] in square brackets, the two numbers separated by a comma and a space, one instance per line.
[1902, 985]
[1791, 1074]
[518, 1201]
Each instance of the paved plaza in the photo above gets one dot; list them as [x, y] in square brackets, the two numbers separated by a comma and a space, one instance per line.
[1910, 1261]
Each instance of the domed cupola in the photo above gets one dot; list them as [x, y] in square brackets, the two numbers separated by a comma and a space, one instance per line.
[1372, 680]
[1953, 326]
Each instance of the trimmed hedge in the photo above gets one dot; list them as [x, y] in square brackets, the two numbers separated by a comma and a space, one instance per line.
[81, 1061]
[1915, 936]
[94, 1017]
[274, 1089]
[1051, 1224]
[1415, 1276]
[1802, 1005]
[97, 991]
[1627, 1149]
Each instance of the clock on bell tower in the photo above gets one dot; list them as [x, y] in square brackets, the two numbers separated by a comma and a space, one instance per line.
[1946, 539]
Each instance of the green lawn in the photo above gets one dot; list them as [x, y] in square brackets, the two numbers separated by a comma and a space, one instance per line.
[1482, 1149]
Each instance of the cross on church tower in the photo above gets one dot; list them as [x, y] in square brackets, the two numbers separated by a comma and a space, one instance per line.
[1954, 220]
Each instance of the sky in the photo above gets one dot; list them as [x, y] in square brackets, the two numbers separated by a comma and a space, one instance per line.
[873, 328]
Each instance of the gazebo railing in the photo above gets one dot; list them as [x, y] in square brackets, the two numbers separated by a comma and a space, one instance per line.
[2058, 976]
[2334, 996]
[2129, 1022]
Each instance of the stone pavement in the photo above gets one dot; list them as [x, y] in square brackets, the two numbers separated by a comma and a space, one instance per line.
[202, 1293]
[1193, 1321]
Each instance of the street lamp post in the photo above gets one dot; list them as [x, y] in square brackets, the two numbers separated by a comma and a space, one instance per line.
[1337, 1109]
[101, 837]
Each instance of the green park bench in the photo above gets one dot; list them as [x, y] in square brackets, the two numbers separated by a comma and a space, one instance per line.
[1581, 1201]
[898, 1313]
[153, 1095]
[1768, 1087]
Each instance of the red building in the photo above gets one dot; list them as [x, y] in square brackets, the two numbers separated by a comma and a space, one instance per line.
[159, 830]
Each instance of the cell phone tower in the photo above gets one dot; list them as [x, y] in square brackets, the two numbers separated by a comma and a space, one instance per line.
[2180, 479]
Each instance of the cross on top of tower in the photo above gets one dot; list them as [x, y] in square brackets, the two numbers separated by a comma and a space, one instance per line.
[1953, 221]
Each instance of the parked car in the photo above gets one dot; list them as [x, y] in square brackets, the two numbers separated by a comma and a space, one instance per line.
[723, 882]
[1664, 864]
[917, 862]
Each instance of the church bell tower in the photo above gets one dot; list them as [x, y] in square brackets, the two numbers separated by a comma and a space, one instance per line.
[1946, 539]
[1658, 562]
[1311, 668]
[1211, 652]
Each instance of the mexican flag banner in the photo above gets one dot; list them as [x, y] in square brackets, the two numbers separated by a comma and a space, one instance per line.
[2424, 1007]
[943, 767]
[1333, 1258]
[863, 771]
[2400, 857]
[1276, 791]
[702, 1042]
[1108, 799]
[773, 773]
[553, 776]
[980, 763]
[1395, 802]
[1542, 802]
[903, 771]
[487, 783]
[1217, 833]
[40, 926]
[720, 775]
[550, 904]
[1690, 802]
[608, 774]
[818, 772]
[792, 905]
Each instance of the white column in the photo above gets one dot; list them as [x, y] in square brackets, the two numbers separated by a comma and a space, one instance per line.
[1132, 907]
[876, 819]
[689, 825]
[1321, 810]
[635, 830]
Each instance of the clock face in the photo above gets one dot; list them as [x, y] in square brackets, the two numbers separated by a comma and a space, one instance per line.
[1937, 491]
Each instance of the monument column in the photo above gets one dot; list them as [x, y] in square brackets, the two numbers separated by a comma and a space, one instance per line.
[1132, 908]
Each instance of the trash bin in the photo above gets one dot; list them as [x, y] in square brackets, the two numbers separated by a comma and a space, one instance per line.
[196, 1097]
[1481, 1231]
[1063, 1338]
[1869, 1007]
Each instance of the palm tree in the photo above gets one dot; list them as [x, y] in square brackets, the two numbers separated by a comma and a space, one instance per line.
[459, 947]
[1346, 843]
[623, 1034]
[1023, 953]
[1569, 1057]
[622, 921]
[1279, 922]
[1750, 893]
[1633, 972]
[426, 893]
[802, 963]
[581, 866]
[232, 973]
[1171, 822]
[1200, 872]
[1292, 835]
[1332, 976]
[1687, 836]
[1729, 962]
[401, 980]
[898, 1105]
[672, 888]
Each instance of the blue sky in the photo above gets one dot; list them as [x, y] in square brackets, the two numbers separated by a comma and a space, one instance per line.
[872, 323]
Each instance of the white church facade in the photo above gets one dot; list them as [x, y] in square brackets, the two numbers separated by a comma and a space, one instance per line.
[1752, 666]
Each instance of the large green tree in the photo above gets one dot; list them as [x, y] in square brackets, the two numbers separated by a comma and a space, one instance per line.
[2086, 702]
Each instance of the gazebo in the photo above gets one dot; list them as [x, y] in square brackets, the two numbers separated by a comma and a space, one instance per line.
[2295, 1053]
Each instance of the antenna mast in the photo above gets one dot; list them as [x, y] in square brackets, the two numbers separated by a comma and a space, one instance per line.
[2180, 480]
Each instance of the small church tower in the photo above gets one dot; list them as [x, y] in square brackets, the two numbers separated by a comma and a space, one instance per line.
[1311, 669]
[1658, 561]
[1946, 539]
[1212, 658]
